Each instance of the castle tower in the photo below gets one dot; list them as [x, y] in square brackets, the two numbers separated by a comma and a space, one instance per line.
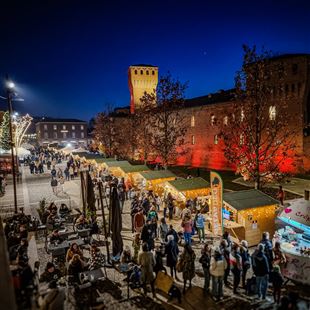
[141, 78]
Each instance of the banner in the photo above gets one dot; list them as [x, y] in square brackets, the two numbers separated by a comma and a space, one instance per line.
[216, 202]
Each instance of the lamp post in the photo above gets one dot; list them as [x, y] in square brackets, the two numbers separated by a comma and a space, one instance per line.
[9, 90]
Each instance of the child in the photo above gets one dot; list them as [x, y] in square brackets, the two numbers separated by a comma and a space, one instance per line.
[136, 246]
[277, 282]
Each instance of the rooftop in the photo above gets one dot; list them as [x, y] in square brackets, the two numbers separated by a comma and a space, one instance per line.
[143, 65]
[134, 168]
[248, 199]
[160, 174]
[117, 163]
[59, 120]
[183, 185]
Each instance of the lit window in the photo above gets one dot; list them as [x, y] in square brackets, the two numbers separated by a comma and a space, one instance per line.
[82, 127]
[216, 139]
[213, 120]
[64, 127]
[242, 115]
[193, 140]
[147, 72]
[141, 71]
[55, 127]
[45, 127]
[64, 135]
[225, 120]
[272, 112]
[193, 121]
[82, 134]
[46, 135]
[73, 127]
[241, 139]
[73, 134]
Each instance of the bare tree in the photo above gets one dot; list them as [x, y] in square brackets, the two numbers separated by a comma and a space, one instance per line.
[167, 124]
[259, 138]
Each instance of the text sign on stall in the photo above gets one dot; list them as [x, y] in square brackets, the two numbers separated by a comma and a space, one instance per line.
[216, 202]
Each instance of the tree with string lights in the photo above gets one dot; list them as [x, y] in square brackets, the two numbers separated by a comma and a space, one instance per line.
[5, 139]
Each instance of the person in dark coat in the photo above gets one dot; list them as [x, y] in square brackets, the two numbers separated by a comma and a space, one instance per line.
[172, 231]
[261, 271]
[205, 260]
[148, 234]
[277, 282]
[75, 267]
[50, 273]
[267, 248]
[172, 252]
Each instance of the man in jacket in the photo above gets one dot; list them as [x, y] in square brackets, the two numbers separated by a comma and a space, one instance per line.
[261, 271]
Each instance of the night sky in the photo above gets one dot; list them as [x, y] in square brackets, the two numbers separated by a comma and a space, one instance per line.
[71, 60]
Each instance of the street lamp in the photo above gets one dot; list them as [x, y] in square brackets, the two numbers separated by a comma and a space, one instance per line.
[9, 92]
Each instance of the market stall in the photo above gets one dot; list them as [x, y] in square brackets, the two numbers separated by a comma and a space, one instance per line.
[114, 167]
[295, 240]
[247, 214]
[131, 172]
[153, 180]
[184, 189]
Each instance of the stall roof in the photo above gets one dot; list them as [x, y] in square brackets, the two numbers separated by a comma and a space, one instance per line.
[134, 168]
[118, 163]
[160, 174]
[90, 156]
[101, 160]
[183, 185]
[248, 199]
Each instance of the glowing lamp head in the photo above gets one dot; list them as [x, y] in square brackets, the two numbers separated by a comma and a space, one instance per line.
[10, 84]
[69, 145]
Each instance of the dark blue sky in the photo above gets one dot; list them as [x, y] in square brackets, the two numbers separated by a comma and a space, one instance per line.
[71, 60]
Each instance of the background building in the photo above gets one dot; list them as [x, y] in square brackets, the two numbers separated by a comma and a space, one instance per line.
[141, 79]
[61, 131]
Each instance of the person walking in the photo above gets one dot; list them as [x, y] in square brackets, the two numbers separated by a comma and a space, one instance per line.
[170, 205]
[226, 253]
[278, 257]
[146, 261]
[71, 172]
[200, 226]
[188, 260]
[205, 260]
[67, 174]
[218, 266]
[277, 282]
[267, 248]
[54, 184]
[163, 230]
[236, 266]
[246, 261]
[172, 252]
[261, 271]
[187, 225]
[148, 234]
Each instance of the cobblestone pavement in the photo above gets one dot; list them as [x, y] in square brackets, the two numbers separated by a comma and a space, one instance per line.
[114, 296]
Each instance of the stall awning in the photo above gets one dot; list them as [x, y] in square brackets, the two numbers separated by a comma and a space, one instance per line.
[103, 160]
[248, 199]
[90, 156]
[183, 185]
[134, 168]
[155, 175]
[117, 163]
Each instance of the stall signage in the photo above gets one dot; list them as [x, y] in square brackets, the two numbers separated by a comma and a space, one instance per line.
[216, 202]
[297, 268]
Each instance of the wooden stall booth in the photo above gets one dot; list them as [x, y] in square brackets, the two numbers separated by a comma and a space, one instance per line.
[247, 214]
[154, 180]
[184, 189]
[114, 167]
[132, 172]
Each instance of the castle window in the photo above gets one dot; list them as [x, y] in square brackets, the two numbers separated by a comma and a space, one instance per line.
[193, 140]
[45, 127]
[213, 120]
[64, 127]
[147, 72]
[241, 140]
[73, 127]
[73, 135]
[294, 69]
[55, 135]
[141, 71]
[82, 127]
[272, 112]
[216, 139]
[136, 71]
[242, 115]
[46, 135]
[225, 120]
[153, 72]
[55, 127]
[193, 121]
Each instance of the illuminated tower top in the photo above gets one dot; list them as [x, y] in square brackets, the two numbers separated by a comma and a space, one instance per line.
[141, 79]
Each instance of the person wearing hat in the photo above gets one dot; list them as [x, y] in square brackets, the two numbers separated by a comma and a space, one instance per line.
[50, 273]
[218, 265]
